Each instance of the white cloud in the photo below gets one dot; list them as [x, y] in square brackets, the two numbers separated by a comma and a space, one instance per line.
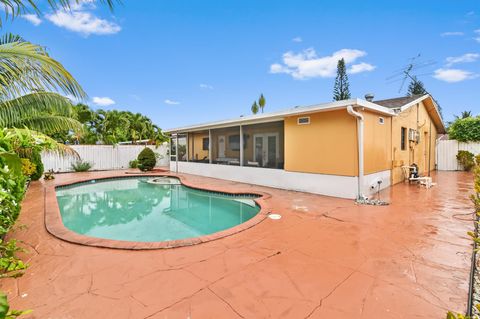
[452, 34]
[206, 86]
[466, 58]
[361, 67]
[307, 64]
[171, 102]
[79, 20]
[453, 75]
[297, 39]
[477, 38]
[103, 101]
[32, 18]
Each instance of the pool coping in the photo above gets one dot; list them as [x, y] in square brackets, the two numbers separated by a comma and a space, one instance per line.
[55, 226]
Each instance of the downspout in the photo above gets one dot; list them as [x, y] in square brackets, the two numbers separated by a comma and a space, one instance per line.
[360, 124]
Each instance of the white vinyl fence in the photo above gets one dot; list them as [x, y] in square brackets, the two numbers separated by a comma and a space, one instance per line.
[447, 153]
[103, 157]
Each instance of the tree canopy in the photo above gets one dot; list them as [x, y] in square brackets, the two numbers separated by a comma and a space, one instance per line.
[465, 129]
[341, 90]
[255, 107]
[111, 127]
[416, 87]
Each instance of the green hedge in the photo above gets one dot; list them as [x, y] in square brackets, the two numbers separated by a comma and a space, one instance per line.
[465, 130]
[36, 159]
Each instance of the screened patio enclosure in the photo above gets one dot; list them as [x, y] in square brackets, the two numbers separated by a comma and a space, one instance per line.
[255, 145]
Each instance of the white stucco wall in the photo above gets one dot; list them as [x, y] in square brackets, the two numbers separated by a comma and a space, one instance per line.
[330, 185]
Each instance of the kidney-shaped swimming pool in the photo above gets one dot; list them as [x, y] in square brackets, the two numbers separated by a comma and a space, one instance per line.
[142, 209]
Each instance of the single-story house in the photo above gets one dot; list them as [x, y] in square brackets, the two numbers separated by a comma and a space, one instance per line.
[344, 149]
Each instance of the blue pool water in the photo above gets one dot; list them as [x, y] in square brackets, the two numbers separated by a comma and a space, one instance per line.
[133, 210]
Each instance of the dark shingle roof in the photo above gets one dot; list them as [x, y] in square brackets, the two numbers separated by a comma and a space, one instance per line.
[397, 102]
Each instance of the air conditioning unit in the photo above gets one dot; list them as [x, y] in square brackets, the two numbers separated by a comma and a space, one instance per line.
[413, 135]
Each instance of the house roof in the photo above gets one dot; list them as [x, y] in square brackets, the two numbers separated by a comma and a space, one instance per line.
[397, 102]
[404, 103]
[384, 107]
[280, 115]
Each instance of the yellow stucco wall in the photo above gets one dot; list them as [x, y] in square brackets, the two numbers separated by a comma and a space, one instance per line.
[415, 117]
[326, 146]
[377, 141]
[195, 141]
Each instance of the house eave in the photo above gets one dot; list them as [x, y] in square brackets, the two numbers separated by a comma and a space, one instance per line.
[281, 115]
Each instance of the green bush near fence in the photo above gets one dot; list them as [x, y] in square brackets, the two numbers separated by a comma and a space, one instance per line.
[465, 130]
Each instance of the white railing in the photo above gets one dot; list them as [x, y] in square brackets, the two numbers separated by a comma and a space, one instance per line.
[447, 151]
[103, 157]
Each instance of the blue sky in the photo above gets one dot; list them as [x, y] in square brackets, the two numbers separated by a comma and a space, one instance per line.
[184, 62]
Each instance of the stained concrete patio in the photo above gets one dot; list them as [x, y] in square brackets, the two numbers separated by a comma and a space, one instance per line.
[326, 258]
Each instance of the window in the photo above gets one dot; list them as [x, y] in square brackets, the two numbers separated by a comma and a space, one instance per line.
[403, 142]
[234, 142]
[303, 120]
[205, 144]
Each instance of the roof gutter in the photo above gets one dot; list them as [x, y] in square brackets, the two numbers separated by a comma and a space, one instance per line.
[360, 124]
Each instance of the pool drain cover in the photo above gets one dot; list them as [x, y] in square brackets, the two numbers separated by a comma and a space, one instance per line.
[274, 216]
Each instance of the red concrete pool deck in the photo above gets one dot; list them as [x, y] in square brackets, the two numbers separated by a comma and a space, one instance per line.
[326, 258]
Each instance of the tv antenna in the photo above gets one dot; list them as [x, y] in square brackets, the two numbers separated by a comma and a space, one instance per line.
[409, 71]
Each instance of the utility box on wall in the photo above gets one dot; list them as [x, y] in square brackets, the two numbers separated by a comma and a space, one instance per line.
[413, 135]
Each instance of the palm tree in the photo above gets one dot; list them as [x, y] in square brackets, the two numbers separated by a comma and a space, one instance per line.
[112, 126]
[26, 73]
[463, 115]
[138, 127]
[466, 114]
[255, 107]
[261, 102]
[26, 67]
[44, 112]
[17, 7]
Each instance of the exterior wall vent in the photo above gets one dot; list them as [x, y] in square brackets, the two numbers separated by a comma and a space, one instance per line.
[303, 120]
[381, 120]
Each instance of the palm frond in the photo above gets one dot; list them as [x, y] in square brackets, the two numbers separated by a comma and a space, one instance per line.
[51, 124]
[26, 67]
[14, 112]
[14, 8]
[10, 38]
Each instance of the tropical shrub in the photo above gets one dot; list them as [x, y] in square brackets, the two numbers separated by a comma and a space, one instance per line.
[12, 186]
[6, 312]
[10, 265]
[36, 160]
[465, 129]
[466, 159]
[133, 164]
[28, 168]
[146, 159]
[451, 315]
[81, 166]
